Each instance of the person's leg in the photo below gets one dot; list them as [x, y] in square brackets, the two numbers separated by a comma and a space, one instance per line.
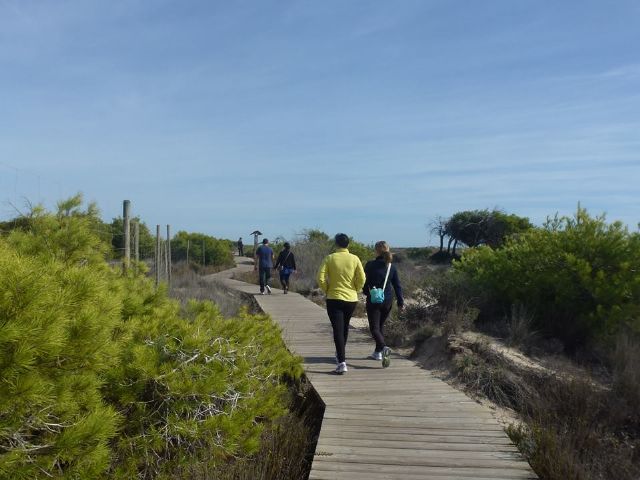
[374, 314]
[336, 315]
[262, 273]
[267, 277]
[347, 308]
[385, 310]
[386, 351]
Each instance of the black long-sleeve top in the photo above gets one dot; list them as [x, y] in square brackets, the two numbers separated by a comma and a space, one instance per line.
[375, 271]
[286, 259]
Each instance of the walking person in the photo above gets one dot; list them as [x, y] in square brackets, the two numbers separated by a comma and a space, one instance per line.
[341, 277]
[240, 247]
[263, 262]
[381, 282]
[287, 264]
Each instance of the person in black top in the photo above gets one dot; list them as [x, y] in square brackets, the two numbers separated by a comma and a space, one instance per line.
[377, 313]
[286, 263]
[240, 247]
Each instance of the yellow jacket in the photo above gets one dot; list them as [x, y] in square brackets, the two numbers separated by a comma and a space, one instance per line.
[341, 276]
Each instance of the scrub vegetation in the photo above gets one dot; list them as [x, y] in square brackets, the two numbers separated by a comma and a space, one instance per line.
[546, 324]
[103, 376]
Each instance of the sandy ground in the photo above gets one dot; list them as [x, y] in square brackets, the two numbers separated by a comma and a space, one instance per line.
[359, 322]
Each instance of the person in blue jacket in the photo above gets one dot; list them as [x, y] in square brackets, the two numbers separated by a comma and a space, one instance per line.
[376, 271]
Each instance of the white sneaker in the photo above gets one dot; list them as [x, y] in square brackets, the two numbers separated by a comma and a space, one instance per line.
[376, 356]
[386, 357]
[268, 289]
[341, 368]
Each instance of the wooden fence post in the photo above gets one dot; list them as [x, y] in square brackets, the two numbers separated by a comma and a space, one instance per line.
[126, 207]
[136, 243]
[158, 254]
[204, 258]
[188, 241]
[168, 255]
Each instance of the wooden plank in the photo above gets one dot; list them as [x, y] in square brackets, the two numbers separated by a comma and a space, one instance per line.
[404, 442]
[423, 453]
[347, 471]
[421, 460]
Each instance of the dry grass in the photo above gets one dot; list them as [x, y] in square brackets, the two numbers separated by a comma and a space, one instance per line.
[626, 368]
[287, 447]
[571, 427]
[188, 284]
[520, 330]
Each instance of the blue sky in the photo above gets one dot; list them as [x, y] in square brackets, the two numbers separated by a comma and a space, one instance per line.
[368, 117]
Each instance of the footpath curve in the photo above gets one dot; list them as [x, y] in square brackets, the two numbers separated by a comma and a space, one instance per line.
[397, 423]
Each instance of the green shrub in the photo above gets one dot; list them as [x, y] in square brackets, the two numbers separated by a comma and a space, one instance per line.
[146, 242]
[102, 375]
[56, 323]
[193, 388]
[216, 251]
[579, 277]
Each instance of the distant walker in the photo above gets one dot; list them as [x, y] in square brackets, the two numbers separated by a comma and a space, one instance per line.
[264, 264]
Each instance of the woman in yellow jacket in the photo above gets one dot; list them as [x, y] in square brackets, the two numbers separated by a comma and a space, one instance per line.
[341, 277]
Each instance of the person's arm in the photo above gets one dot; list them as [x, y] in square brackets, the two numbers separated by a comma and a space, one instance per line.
[293, 262]
[278, 262]
[321, 278]
[366, 287]
[359, 278]
[395, 281]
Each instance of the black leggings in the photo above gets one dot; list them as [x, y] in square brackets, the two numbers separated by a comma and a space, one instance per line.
[340, 313]
[377, 313]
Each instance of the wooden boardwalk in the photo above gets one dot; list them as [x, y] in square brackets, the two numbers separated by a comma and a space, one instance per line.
[394, 423]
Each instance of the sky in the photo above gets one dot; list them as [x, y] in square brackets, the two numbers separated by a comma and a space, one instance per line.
[365, 117]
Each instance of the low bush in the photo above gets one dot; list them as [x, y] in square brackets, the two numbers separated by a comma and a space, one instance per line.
[101, 375]
[217, 252]
[578, 277]
[419, 254]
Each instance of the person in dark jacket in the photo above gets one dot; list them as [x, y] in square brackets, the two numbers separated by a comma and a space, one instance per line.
[263, 263]
[286, 263]
[377, 313]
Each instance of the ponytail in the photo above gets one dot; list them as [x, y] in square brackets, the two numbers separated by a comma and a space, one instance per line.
[382, 248]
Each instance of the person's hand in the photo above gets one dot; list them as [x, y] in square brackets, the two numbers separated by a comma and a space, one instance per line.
[255, 269]
[401, 308]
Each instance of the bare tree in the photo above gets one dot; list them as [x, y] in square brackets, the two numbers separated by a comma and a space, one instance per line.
[438, 226]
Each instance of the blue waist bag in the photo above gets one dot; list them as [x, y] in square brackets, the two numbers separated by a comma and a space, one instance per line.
[377, 294]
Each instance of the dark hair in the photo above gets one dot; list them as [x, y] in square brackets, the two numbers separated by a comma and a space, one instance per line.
[342, 240]
[287, 245]
[265, 241]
